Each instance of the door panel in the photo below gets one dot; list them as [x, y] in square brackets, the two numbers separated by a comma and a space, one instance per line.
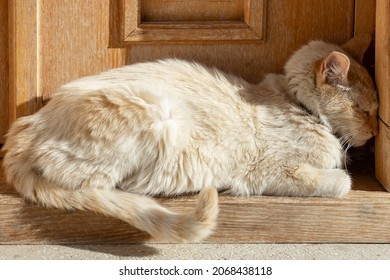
[73, 39]
[287, 26]
[164, 21]
[53, 42]
[192, 10]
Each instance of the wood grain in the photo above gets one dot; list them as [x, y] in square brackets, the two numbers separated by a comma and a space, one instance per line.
[182, 32]
[53, 42]
[382, 76]
[360, 217]
[74, 39]
[4, 70]
[156, 21]
[24, 97]
[382, 62]
[255, 16]
[192, 10]
[289, 25]
[364, 17]
[382, 155]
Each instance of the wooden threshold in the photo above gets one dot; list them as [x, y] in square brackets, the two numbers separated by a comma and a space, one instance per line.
[363, 216]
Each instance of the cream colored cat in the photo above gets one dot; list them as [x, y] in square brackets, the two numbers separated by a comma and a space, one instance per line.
[106, 142]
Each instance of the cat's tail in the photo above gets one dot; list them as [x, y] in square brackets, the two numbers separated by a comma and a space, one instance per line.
[140, 211]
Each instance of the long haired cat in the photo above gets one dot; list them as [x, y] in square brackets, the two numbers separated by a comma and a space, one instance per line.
[107, 142]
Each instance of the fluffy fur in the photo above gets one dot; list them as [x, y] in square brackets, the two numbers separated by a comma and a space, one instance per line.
[106, 142]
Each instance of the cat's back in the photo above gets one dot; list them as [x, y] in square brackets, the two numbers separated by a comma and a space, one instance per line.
[203, 97]
[163, 74]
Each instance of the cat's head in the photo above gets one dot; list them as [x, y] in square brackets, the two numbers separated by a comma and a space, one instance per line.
[331, 83]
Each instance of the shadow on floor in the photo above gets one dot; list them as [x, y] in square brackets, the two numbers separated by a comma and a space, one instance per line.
[119, 250]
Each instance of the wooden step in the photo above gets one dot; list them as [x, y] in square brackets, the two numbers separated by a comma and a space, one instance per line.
[363, 216]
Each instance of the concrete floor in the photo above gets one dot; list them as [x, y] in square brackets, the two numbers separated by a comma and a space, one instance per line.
[199, 251]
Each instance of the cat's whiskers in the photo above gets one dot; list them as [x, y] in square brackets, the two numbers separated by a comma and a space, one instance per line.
[346, 143]
[345, 156]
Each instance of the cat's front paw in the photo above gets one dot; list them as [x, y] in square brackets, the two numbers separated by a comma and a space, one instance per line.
[339, 183]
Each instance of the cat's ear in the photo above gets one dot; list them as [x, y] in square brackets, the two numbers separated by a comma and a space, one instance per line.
[357, 46]
[334, 69]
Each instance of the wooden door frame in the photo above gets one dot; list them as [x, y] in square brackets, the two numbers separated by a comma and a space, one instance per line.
[23, 61]
[382, 76]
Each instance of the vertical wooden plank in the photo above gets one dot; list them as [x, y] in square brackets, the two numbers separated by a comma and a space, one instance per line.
[364, 16]
[52, 42]
[4, 68]
[116, 23]
[132, 13]
[74, 41]
[23, 95]
[382, 51]
[382, 76]
[255, 14]
[382, 155]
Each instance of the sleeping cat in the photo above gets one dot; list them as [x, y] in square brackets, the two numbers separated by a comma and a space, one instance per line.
[107, 142]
